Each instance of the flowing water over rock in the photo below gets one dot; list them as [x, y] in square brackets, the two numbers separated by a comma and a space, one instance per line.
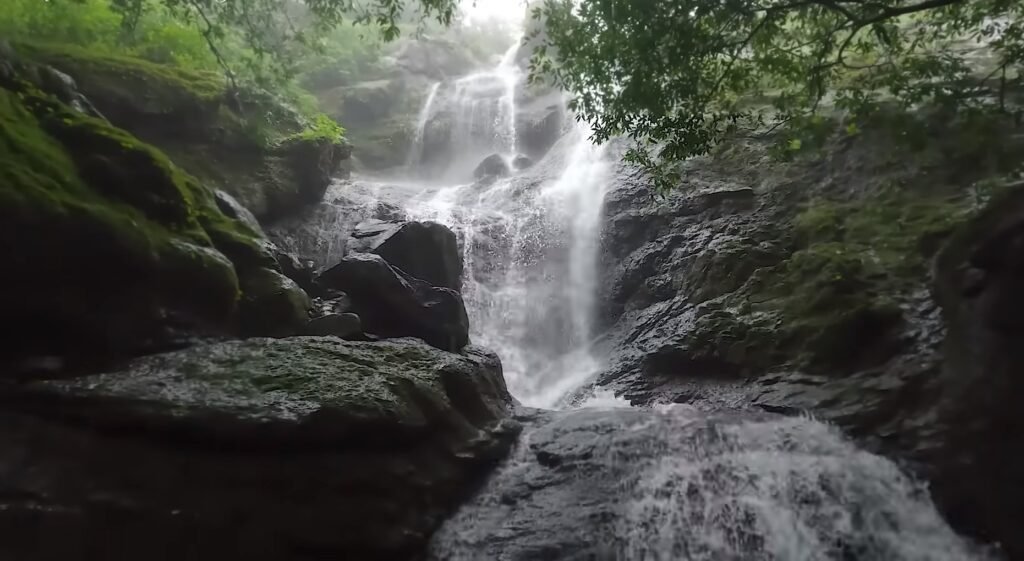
[607, 481]
[682, 484]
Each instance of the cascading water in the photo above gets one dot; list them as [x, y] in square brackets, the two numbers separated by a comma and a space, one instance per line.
[476, 115]
[606, 482]
[416, 151]
[530, 258]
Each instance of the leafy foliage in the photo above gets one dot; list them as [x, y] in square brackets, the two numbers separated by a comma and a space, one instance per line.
[678, 77]
[322, 128]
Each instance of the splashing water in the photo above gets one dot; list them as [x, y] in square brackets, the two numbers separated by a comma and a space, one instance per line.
[683, 485]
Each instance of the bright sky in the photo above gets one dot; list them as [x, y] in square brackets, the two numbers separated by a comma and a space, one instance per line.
[483, 10]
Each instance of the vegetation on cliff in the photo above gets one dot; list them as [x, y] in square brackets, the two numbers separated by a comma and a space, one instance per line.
[83, 200]
[679, 77]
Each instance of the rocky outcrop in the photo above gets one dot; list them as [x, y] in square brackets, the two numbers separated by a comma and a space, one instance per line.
[804, 286]
[393, 304]
[425, 250]
[321, 234]
[263, 449]
[223, 138]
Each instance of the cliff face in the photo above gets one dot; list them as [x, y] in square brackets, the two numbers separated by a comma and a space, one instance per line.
[864, 282]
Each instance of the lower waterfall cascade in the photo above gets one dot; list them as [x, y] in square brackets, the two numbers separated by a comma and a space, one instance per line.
[603, 480]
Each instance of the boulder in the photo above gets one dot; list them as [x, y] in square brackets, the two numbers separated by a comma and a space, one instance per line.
[231, 208]
[393, 304]
[522, 162]
[425, 250]
[492, 166]
[345, 325]
[261, 449]
[272, 305]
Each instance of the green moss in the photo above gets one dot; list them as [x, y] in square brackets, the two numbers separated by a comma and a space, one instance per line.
[856, 260]
[98, 224]
[321, 128]
[159, 86]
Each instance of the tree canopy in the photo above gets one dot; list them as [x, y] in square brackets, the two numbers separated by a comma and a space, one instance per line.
[679, 76]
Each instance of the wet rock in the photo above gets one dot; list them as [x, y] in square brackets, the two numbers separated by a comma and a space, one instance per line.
[748, 286]
[272, 305]
[394, 304]
[492, 166]
[346, 325]
[669, 484]
[321, 233]
[335, 303]
[539, 125]
[260, 449]
[234, 209]
[522, 162]
[302, 271]
[425, 250]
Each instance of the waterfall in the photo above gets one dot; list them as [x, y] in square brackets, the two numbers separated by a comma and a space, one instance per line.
[530, 247]
[416, 148]
[606, 481]
[473, 116]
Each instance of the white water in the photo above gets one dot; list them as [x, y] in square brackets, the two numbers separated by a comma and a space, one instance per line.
[529, 241]
[416, 151]
[680, 484]
[530, 246]
[474, 116]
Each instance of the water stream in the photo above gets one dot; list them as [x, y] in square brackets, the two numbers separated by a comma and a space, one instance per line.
[610, 482]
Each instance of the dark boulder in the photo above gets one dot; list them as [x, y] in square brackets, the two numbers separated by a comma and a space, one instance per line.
[522, 162]
[268, 450]
[492, 166]
[271, 305]
[425, 250]
[393, 304]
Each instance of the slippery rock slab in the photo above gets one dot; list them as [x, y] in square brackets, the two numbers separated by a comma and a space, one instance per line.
[258, 449]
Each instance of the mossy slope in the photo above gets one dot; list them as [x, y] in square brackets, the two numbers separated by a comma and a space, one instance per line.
[107, 243]
[247, 142]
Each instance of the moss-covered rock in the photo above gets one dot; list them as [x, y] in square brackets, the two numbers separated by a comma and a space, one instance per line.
[247, 142]
[840, 292]
[111, 248]
[272, 304]
[102, 233]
